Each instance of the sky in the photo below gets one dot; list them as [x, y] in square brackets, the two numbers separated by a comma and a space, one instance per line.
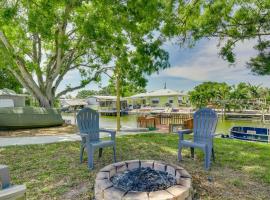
[192, 66]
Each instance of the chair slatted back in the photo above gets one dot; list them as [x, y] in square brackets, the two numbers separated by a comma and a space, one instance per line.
[88, 122]
[205, 122]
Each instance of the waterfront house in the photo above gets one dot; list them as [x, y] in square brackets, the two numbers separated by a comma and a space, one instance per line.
[72, 104]
[159, 98]
[106, 104]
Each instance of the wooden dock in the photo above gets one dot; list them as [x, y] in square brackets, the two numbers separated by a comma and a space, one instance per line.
[168, 122]
[112, 112]
[171, 122]
[247, 116]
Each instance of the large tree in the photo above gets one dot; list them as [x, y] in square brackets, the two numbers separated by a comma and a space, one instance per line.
[43, 40]
[40, 44]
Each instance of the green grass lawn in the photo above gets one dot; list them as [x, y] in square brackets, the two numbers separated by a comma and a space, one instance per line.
[241, 170]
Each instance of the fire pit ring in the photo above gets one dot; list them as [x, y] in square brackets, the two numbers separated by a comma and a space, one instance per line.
[105, 189]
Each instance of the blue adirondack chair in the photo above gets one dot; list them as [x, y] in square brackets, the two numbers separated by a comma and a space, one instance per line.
[205, 122]
[88, 123]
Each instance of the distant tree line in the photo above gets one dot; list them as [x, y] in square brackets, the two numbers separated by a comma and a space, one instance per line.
[239, 96]
[127, 89]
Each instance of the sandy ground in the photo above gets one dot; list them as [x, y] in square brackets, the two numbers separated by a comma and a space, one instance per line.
[57, 130]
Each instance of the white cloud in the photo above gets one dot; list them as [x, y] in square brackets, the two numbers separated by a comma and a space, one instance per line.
[193, 66]
[206, 65]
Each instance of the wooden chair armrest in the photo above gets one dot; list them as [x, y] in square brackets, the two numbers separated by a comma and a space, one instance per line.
[107, 131]
[83, 134]
[184, 131]
[112, 132]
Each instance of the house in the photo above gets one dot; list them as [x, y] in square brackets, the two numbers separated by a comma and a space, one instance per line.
[106, 104]
[159, 98]
[72, 104]
[9, 98]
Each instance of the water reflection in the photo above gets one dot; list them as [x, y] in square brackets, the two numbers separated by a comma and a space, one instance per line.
[129, 121]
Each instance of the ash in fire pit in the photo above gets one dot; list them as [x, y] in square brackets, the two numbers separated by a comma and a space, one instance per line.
[143, 179]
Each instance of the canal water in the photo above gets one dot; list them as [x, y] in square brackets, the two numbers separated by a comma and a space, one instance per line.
[129, 121]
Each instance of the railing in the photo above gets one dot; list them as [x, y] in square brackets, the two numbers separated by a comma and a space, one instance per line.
[171, 119]
[147, 122]
[167, 119]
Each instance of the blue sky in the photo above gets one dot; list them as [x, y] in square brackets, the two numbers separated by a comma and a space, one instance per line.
[192, 66]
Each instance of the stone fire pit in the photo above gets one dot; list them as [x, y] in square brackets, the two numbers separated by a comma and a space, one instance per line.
[170, 182]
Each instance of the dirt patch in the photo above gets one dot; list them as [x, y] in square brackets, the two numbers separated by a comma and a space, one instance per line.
[77, 191]
[228, 184]
[56, 130]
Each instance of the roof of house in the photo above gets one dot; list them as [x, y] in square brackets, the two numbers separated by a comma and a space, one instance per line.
[73, 102]
[107, 98]
[161, 92]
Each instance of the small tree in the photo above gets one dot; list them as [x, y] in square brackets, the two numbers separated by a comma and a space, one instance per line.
[44, 40]
[209, 92]
[131, 31]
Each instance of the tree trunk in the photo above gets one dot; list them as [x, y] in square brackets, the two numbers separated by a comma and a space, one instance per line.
[118, 102]
[43, 103]
[42, 99]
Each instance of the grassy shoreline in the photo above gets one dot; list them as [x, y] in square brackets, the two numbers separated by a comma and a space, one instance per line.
[52, 171]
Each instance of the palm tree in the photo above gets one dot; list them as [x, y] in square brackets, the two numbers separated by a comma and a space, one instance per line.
[239, 95]
[254, 91]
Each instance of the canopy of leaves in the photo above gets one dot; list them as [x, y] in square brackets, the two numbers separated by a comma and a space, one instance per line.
[47, 39]
[261, 63]
[130, 33]
[39, 38]
[230, 21]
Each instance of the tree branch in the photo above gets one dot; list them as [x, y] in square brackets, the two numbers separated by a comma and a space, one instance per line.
[37, 59]
[59, 40]
[39, 50]
[25, 75]
[83, 84]
[6, 42]
[70, 89]
[59, 35]
[21, 80]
